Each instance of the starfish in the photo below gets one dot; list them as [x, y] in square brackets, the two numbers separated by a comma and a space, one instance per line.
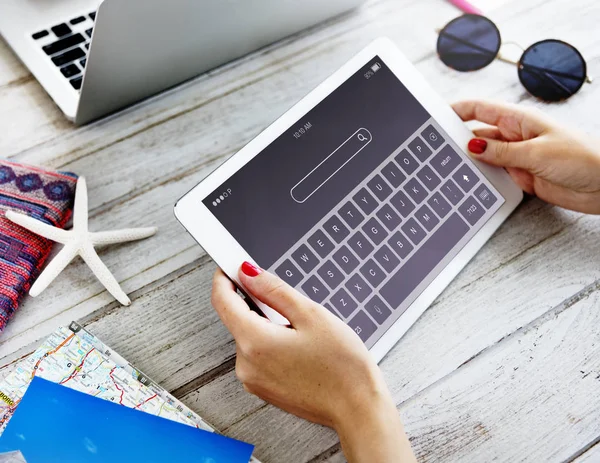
[79, 241]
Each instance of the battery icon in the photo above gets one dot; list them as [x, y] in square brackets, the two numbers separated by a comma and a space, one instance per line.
[376, 67]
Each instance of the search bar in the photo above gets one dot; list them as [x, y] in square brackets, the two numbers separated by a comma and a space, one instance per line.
[331, 165]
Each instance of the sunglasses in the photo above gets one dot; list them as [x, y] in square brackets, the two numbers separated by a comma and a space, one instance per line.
[551, 70]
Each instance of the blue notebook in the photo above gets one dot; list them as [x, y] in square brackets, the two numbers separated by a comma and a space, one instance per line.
[56, 424]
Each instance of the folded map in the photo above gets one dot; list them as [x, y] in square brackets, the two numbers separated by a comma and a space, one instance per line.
[75, 358]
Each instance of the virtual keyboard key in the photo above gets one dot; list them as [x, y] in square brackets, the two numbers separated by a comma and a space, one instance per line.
[336, 229]
[393, 174]
[362, 325]
[420, 149]
[432, 137]
[61, 30]
[389, 217]
[407, 162]
[439, 205]
[365, 201]
[346, 260]
[400, 245]
[387, 259]
[315, 289]
[415, 190]
[378, 310]
[63, 44]
[68, 57]
[305, 258]
[373, 273]
[374, 230]
[330, 274]
[40, 35]
[344, 303]
[452, 192]
[289, 273]
[358, 287]
[320, 243]
[466, 178]
[379, 188]
[360, 245]
[428, 178]
[445, 161]
[351, 215]
[424, 260]
[404, 205]
[414, 231]
[471, 210]
[485, 196]
[427, 218]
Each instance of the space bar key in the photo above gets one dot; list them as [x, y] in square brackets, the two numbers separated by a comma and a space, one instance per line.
[412, 273]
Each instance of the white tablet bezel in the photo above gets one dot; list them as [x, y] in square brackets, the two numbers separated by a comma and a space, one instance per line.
[229, 254]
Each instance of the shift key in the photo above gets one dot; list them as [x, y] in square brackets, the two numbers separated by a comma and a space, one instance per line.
[420, 265]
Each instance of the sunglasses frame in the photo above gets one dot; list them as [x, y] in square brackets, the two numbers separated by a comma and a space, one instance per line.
[500, 56]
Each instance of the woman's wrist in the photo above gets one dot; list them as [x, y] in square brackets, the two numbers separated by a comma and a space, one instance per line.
[370, 428]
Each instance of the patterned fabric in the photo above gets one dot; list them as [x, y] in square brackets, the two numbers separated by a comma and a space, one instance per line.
[46, 196]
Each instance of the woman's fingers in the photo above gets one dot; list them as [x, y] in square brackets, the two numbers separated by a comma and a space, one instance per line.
[232, 309]
[488, 132]
[275, 293]
[514, 122]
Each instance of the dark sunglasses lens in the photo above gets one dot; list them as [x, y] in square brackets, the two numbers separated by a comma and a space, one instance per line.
[468, 43]
[552, 70]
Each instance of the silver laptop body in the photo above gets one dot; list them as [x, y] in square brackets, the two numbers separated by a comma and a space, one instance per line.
[94, 58]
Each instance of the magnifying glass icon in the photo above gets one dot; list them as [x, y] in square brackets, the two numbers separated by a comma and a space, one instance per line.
[361, 137]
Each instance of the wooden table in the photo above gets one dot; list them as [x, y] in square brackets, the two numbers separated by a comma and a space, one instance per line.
[504, 366]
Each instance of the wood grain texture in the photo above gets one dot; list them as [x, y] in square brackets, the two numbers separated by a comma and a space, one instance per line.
[526, 301]
[589, 454]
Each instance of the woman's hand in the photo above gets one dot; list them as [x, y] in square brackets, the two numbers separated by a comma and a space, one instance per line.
[559, 166]
[317, 369]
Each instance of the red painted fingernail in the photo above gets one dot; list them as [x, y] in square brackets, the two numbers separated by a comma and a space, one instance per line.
[477, 146]
[250, 270]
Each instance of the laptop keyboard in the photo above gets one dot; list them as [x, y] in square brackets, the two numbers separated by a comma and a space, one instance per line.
[66, 46]
[371, 257]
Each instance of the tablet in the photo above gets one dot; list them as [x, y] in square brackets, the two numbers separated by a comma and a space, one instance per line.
[361, 197]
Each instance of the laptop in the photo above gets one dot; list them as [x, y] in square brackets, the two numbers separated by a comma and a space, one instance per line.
[95, 58]
[361, 197]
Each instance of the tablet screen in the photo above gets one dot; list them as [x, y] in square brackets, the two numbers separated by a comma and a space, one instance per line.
[361, 203]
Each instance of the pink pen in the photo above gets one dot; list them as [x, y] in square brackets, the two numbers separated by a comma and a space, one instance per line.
[466, 6]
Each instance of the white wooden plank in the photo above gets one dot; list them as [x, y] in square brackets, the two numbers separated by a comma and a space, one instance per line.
[337, 457]
[532, 397]
[223, 401]
[592, 455]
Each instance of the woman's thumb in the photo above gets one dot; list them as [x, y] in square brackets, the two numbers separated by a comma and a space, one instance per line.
[274, 292]
[502, 153]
